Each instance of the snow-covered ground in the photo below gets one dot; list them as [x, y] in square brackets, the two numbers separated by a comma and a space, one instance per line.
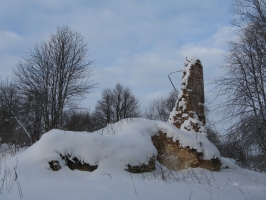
[111, 149]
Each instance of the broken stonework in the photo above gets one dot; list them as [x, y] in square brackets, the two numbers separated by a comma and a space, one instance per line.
[75, 163]
[188, 113]
[174, 157]
[141, 168]
[54, 165]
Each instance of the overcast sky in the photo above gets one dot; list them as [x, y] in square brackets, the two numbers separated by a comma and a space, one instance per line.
[134, 42]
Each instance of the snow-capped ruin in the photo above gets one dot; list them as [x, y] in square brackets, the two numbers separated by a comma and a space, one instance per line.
[188, 113]
[135, 144]
[127, 145]
[188, 116]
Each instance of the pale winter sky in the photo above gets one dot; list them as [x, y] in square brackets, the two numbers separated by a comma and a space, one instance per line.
[134, 42]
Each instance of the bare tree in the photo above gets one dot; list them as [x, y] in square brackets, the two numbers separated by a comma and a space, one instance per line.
[55, 74]
[104, 108]
[242, 88]
[247, 12]
[78, 120]
[116, 104]
[161, 107]
[12, 129]
[33, 113]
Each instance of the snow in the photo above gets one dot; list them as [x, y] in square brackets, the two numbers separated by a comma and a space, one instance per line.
[186, 71]
[114, 184]
[230, 163]
[184, 115]
[171, 119]
[128, 141]
[190, 60]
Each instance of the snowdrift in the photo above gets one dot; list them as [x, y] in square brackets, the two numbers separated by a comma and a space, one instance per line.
[112, 148]
[127, 142]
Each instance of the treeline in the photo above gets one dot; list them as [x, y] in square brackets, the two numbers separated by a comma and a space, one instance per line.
[115, 104]
[21, 116]
[242, 89]
[48, 85]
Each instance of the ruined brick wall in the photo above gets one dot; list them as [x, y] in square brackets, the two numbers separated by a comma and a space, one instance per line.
[174, 157]
[195, 91]
[188, 113]
[141, 168]
[75, 163]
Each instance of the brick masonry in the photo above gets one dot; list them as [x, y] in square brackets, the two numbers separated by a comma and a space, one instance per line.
[174, 157]
[187, 115]
[190, 102]
[141, 168]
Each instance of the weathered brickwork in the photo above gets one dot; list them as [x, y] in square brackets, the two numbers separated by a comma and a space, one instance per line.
[141, 168]
[54, 165]
[188, 113]
[75, 163]
[173, 156]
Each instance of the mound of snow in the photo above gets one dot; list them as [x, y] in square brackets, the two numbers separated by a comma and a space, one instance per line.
[112, 147]
[229, 163]
[126, 142]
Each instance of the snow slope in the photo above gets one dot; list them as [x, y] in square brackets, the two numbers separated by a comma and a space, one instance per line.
[125, 142]
[112, 148]
[231, 184]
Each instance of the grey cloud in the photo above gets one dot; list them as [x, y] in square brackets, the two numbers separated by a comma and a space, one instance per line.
[137, 43]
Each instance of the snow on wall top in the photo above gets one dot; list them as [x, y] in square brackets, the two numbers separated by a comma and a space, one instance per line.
[189, 61]
[126, 142]
[185, 114]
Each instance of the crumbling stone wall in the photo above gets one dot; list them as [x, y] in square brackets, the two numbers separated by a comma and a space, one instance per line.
[141, 168]
[188, 113]
[54, 165]
[174, 157]
[72, 163]
[75, 163]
